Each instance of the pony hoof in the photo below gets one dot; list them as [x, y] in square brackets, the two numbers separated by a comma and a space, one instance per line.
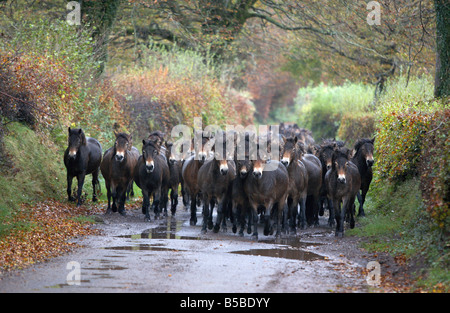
[123, 213]
[203, 231]
[339, 234]
[216, 229]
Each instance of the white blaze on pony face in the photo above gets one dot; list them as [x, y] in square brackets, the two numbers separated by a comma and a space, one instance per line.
[120, 155]
[149, 165]
[285, 160]
[369, 160]
[72, 153]
[341, 172]
[258, 168]
[202, 155]
[223, 167]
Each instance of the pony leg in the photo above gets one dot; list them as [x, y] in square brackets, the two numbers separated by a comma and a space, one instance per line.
[193, 219]
[108, 195]
[205, 215]
[80, 179]
[69, 187]
[361, 200]
[339, 219]
[146, 205]
[121, 197]
[220, 216]
[95, 183]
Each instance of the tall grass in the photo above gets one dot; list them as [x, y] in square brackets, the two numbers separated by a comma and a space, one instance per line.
[37, 172]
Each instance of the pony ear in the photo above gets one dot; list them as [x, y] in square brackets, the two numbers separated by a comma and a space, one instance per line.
[69, 130]
[373, 140]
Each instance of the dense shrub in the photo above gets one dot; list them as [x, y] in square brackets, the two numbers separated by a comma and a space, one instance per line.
[412, 141]
[356, 125]
[434, 168]
[403, 118]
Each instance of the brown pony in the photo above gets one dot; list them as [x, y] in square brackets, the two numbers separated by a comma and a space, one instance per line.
[175, 176]
[363, 158]
[117, 168]
[151, 174]
[82, 157]
[215, 179]
[190, 170]
[343, 182]
[267, 186]
[298, 181]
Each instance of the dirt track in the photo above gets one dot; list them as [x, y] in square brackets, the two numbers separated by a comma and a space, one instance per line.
[169, 255]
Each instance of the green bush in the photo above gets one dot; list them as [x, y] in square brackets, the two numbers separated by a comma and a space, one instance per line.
[322, 107]
[412, 141]
[404, 116]
[356, 125]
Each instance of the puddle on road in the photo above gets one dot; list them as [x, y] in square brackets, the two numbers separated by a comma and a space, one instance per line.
[142, 247]
[168, 231]
[294, 247]
[293, 254]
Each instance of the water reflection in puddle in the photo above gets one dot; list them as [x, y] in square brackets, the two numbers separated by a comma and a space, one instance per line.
[142, 247]
[290, 247]
[293, 254]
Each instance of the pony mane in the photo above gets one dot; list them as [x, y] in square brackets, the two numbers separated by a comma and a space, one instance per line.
[361, 142]
[122, 135]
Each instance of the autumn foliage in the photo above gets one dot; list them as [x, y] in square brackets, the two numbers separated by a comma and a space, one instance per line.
[51, 225]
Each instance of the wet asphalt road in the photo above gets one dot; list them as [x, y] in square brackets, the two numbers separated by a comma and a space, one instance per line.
[168, 255]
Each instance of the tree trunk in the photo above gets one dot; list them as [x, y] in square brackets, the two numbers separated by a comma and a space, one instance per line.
[100, 16]
[442, 78]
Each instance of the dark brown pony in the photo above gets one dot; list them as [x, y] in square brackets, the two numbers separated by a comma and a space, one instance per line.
[240, 208]
[152, 176]
[325, 153]
[117, 168]
[314, 170]
[175, 176]
[266, 185]
[82, 157]
[343, 182]
[363, 158]
[298, 181]
[215, 181]
[190, 170]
